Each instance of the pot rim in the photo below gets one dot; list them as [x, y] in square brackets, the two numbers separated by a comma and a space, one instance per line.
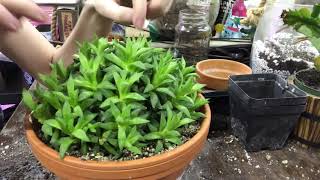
[121, 165]
[220, 60]
[301, 85]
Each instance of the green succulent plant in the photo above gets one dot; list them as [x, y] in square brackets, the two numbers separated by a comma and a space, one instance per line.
[116, 96]
[307, 23]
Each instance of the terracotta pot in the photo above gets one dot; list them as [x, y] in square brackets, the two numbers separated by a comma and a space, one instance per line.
[214, 73]
[169, 165]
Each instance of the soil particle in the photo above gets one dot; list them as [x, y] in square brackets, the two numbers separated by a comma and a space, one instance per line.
[268, 157]
[284, 162]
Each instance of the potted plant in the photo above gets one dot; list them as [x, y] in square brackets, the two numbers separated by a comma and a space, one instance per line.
[122, 110]
[308, 24]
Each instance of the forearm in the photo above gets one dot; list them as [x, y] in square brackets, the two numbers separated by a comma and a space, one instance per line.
[89, 25]
[33, 53]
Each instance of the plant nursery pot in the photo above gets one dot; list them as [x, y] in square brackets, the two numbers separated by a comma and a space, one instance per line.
[264, 110]
[214, 73]
[307, 130]
[168, 165]
[219, 101]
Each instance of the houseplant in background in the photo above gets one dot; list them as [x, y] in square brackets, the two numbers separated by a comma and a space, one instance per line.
[122, 110]
[308, 24]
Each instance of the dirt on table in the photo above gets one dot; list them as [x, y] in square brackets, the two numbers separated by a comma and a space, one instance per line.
[310, 78]
[16, 159]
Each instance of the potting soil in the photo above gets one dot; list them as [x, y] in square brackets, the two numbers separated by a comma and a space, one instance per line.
[310, 78]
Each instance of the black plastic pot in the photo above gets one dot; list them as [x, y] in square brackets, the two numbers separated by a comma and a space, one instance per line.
[12, 82]
[220, 109]
[264, 110]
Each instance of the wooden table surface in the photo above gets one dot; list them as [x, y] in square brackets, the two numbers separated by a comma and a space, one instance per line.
[223, 157]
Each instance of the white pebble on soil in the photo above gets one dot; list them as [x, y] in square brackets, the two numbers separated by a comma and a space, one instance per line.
[284, 162]
[6, 147]
[268, 157]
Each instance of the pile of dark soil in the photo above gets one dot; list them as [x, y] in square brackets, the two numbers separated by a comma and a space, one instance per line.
[291, 65]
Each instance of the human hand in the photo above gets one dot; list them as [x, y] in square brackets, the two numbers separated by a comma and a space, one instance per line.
[12, 10]
[122, 12]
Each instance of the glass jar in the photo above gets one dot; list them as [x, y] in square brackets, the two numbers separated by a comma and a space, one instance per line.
[166, 24]
[192, 36]
[277, 48]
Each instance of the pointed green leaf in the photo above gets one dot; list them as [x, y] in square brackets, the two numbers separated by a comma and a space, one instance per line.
[137, 121]
[154, 100]
[108, 125]
[87, 103]
[60, 96]
[78, 111]
[84, 148]
[80, 134]
[113, 142]
[183, 109]
[185, 121]
[121, 136]
[135, 96]
[163, 122]
[134, 149]
[49, 81]
[116, 60]
[55, 137]
[200, 102]
[197, 87]
[86, 119]
[46, 129]
[159, 146]
[166, 91]
[174, 140]
[106, 85]
[61, 70]
[65, 144]
[110, 149]
[152, 136]
[109, 101]
[135, 77]
[148, 88]
[53, 123]
[28, 101]
[66, 110]
[48, 97]
[172, 134]
[152, 127]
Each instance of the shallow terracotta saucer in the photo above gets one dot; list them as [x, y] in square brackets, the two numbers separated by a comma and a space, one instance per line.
[214, 73]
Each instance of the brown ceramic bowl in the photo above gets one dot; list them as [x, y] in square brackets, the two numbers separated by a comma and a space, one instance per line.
[214, 73]
[167, 166]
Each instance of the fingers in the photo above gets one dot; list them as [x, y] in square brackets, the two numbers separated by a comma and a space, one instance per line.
[25, 8]
[140, 12]
[112, 10]
[157, 8]
[7, 20]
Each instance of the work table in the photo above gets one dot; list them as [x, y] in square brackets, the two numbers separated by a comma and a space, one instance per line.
[223, 156]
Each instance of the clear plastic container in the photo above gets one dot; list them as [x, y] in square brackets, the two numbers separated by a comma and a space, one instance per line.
[192, 36]
[277, 48]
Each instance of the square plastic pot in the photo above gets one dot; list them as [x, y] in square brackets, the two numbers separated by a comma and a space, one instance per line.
[264, 110]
